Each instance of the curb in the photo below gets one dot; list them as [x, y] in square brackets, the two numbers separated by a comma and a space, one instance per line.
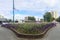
[30, 35]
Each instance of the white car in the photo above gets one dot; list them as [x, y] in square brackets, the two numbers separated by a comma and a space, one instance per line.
[4, 23]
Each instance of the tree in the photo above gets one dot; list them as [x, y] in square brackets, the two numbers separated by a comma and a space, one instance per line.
[31, 18]
[16, 21]
[42, 20]
[9, 20]
[58, 19]
[48, 17]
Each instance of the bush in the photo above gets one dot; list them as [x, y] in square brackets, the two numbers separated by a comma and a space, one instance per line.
[58, 19]
[30, 28]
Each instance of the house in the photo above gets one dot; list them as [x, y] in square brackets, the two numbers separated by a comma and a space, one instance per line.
[54, 14]
[2, 19]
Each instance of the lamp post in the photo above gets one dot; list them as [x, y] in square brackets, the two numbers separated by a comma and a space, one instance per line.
[13, 12]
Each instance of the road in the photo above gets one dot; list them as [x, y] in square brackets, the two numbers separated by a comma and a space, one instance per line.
[52, 34]
[6, 34]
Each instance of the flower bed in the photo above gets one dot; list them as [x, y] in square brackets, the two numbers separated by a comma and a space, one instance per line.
[30, 30]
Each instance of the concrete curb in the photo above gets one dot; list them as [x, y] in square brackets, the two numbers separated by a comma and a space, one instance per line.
[30, 35]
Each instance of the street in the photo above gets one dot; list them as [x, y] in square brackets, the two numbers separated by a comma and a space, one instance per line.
[6, 34]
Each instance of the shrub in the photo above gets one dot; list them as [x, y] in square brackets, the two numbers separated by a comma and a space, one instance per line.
[30, 28]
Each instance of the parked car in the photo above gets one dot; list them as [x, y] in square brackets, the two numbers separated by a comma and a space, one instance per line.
[4, 23]
[0, 22]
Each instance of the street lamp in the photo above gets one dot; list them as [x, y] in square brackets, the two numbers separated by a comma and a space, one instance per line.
[13, 11]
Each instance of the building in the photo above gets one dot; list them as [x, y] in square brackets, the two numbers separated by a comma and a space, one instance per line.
[26, 18]
[29, 19]
[1, 16]
[21, 21]
[54, 14]
[2, 19]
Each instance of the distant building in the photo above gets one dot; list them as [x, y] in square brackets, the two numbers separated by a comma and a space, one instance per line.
[54, 14]
[29, 19]
[21, 21]
[26, 18]
[2, 18]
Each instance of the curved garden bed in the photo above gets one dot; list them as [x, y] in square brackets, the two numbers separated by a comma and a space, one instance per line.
[30, 30]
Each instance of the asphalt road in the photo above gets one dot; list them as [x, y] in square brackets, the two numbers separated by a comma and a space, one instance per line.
[6, 34]
[52, 34]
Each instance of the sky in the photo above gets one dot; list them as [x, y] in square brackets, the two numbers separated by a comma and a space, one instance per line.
[25, 8]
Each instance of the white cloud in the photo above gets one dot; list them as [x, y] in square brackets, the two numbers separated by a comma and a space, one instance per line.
[34, 5]
[19, 16]
[5, 8]
[50, 3]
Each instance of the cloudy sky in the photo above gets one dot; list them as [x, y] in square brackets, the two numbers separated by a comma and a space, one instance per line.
[24, 8]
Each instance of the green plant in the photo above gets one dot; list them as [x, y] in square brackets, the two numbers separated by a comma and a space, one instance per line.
[48, 17]
[30, 28]
[58, 19]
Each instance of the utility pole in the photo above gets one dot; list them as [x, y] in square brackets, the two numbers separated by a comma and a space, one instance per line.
[13, 11]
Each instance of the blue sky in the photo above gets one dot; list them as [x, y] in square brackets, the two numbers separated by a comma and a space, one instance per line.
[24, 8]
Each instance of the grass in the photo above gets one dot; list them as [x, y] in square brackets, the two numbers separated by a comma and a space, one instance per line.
[30, 28]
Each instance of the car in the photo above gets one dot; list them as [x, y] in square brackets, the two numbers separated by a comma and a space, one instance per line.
[4, 23]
